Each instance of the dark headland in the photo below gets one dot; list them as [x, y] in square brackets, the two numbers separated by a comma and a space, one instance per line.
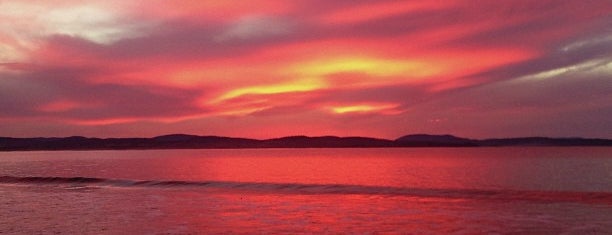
[182, 141]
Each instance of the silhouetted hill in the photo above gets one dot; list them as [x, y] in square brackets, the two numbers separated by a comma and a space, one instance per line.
[182, 141]
[545, 141]
[326, 142]
[434, 140]
[194, 141]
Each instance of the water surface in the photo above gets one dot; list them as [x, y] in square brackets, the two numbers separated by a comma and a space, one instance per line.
[419, 190]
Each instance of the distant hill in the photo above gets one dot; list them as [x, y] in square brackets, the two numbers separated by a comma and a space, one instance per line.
[326, 142]
[545, 141]
[182, 141]
[434, 140]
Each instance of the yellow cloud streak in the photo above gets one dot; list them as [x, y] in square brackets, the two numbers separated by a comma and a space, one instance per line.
[312, 74]
[365, 65]
[363, 108]
[294, 86]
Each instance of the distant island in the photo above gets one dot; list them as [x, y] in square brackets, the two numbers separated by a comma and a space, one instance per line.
[182, 141]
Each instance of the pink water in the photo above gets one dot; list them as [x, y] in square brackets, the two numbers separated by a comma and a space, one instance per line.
[399, 190]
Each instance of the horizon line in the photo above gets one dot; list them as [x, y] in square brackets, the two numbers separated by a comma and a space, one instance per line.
[316, 136]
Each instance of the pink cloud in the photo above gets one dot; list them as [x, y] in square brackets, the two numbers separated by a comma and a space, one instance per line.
[388, 66]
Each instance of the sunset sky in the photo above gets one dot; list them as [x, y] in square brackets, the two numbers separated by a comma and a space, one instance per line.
[267, 68]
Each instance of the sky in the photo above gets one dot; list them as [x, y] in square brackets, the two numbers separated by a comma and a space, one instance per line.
[271, 68]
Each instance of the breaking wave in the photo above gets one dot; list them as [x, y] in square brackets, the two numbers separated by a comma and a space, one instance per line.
[299, 188]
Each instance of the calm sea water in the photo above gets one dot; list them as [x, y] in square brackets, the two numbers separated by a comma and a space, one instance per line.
[541, 190]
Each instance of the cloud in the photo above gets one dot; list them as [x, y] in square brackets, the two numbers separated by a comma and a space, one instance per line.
[255, 27]
[360, 13]
[24, 24]
[372, 67]
[65, 94]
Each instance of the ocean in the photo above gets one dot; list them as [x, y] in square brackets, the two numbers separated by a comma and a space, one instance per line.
[505, 190]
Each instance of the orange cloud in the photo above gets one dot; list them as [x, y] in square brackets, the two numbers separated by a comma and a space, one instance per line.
[374, 67]
[302, 85]
[365, 108]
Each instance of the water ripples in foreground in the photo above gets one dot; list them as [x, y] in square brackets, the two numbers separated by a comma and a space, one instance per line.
[298, 188]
